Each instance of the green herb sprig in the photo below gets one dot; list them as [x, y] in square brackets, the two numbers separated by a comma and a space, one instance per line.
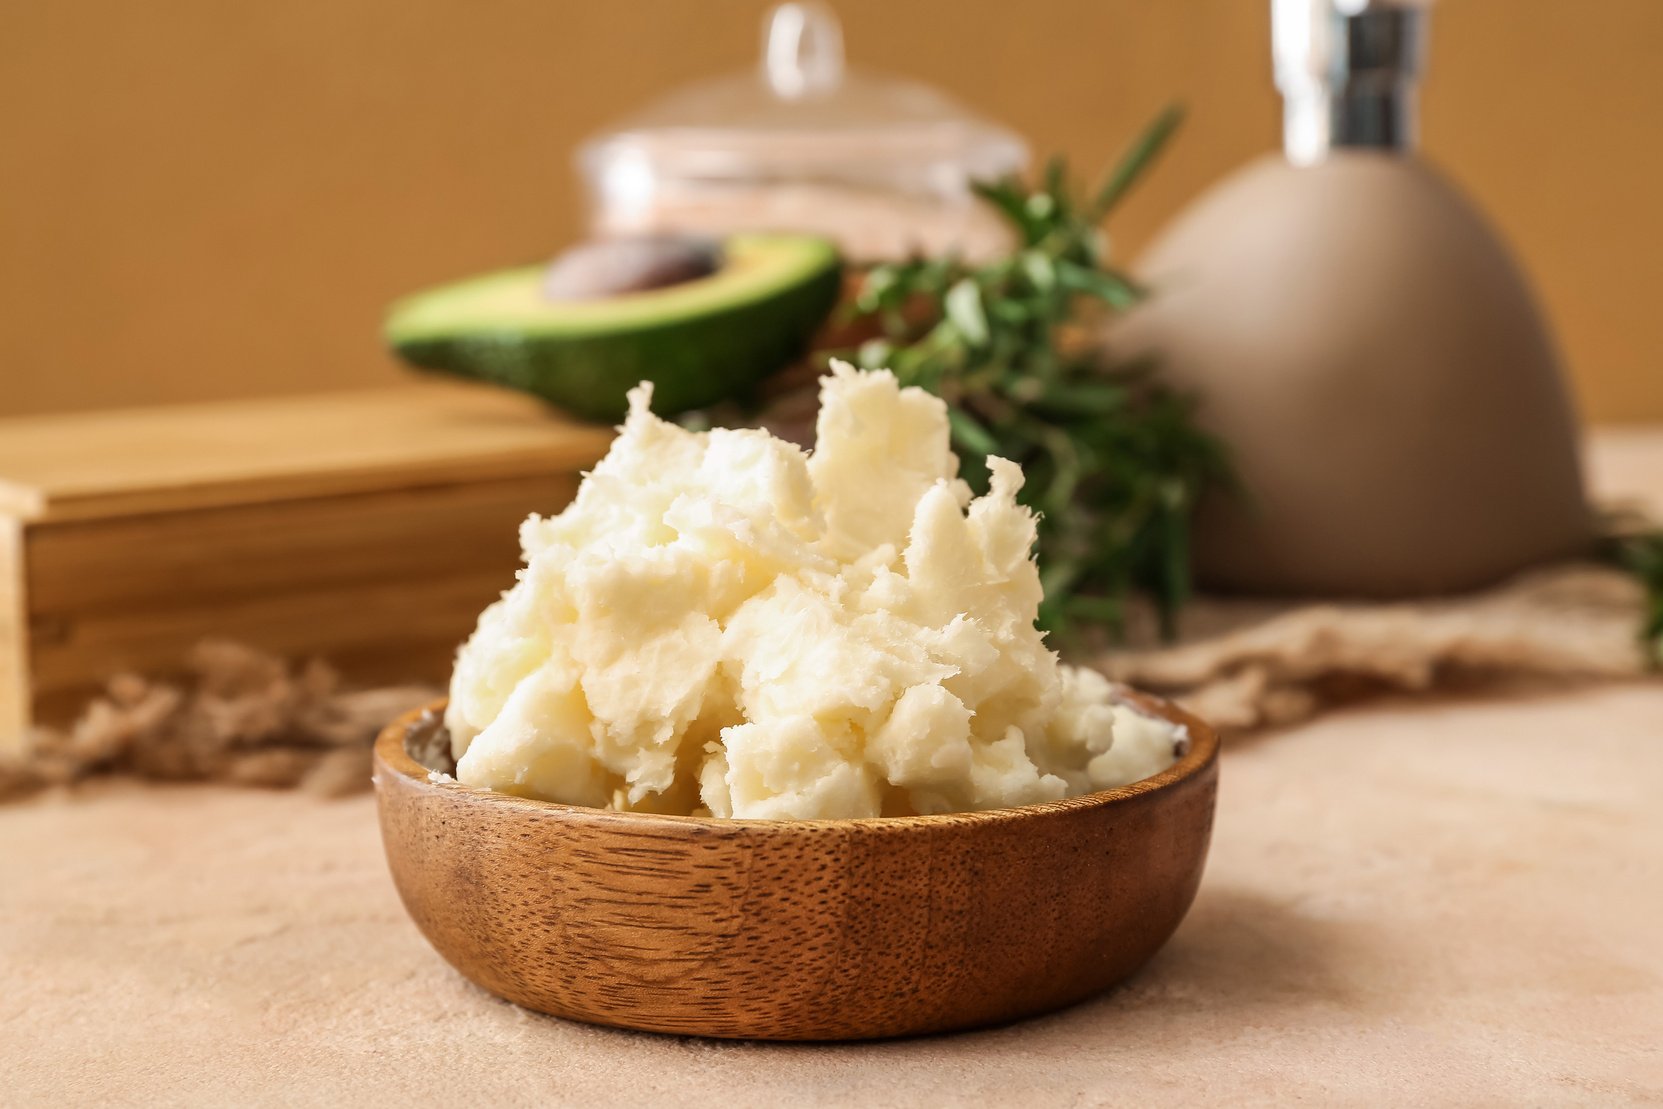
[1640, 552]
[1115, 461]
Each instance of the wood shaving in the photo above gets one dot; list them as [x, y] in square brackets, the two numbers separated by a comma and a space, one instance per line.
[240, 716]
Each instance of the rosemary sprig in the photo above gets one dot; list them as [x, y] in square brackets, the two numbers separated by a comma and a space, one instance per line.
[1114, 460]
[1640, 552]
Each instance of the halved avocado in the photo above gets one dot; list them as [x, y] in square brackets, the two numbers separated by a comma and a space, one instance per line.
[699, 341]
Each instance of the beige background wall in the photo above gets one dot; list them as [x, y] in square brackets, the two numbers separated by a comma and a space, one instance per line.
[204, 199]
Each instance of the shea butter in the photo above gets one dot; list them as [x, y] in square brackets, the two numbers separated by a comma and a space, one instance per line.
[723, 623]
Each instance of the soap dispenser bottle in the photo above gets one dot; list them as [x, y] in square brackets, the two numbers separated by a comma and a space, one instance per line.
[1360, 338]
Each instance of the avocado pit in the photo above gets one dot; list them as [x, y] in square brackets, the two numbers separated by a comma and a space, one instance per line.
[613, 267]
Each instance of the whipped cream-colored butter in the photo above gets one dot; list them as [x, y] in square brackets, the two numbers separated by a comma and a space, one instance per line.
[721, 622]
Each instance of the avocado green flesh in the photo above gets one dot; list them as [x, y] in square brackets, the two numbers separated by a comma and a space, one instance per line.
[698, 342]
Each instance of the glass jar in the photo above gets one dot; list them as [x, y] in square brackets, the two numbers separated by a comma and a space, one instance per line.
[882, 166]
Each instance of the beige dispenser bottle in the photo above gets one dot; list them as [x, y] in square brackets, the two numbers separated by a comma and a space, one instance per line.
[1362, 340]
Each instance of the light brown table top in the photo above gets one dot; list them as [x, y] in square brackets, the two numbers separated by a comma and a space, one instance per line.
[1453, 903]
[1456, 902]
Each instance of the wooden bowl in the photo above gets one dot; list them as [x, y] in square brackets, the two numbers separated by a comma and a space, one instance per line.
[793, 930]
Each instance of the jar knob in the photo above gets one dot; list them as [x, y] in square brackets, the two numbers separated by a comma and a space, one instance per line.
[802, 50]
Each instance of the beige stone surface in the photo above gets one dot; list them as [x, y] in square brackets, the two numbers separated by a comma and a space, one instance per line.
[1455, 903]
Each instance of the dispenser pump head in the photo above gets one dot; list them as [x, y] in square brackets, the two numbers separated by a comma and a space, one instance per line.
[1347, 70]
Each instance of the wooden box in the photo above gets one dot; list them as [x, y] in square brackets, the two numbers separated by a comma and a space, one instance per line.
[368, 528]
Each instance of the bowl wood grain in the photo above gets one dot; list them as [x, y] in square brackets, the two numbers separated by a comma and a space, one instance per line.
[793, 930]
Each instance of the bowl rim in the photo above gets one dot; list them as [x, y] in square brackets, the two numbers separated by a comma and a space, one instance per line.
[392, 754]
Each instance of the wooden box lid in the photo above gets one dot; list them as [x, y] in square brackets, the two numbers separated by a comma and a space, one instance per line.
[94, 465]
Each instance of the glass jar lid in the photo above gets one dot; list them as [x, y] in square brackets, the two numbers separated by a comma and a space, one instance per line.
[804, 114]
